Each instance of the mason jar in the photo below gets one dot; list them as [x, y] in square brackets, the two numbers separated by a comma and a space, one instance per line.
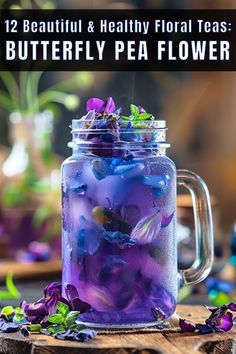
[119, 241]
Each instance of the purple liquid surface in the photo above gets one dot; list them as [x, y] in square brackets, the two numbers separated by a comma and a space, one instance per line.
[119, 243]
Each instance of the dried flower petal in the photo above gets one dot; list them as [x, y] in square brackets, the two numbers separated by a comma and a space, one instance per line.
[78, 336]
[232, 306]
[186, 326]
[8, 327]
[222, 323]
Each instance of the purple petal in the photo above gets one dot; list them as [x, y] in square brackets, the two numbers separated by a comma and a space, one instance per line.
[78, 305]
[186, 326]
[108, 106]
[141, 110]
[95, 104]
[36, 309]
[166, 220]
[71, 292]
[51, 303]
[24, 305]
[158, 314]
[223, 323]
[232, 306]
[52, 288]
[76, 336]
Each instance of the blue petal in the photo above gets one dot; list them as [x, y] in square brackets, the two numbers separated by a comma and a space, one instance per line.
[88, 242]
[129, 171]
[100, 168]
[159, 184]
[118, 237]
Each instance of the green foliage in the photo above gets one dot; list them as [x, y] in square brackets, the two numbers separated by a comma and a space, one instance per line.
[57, 318]
[34, 327]
[71, 318]
[63, 308]
[12, 292]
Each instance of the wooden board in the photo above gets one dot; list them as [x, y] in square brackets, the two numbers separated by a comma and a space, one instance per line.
[32, 270]
[145, 341]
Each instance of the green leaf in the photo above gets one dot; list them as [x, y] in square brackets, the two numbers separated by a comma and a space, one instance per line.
[56, 318]
[144, 116]
[53, 329]
[18, 317]
[125, 118]
[63, 308]
[134, 110]
[7, 310]
[5, 295]
[71, 318]
[34, 327]
[78, 326]
[11, 286]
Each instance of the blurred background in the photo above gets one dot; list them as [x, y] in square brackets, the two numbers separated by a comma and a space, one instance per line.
[36, 109]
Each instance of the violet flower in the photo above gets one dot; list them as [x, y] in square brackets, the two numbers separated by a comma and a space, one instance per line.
[100, 106]
[35, 312]
[220, 320]
[222, 323]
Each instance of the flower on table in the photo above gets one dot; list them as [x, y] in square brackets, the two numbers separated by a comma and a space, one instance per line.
[220, 320]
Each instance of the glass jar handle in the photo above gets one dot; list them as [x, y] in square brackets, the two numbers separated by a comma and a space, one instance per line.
[203, 228]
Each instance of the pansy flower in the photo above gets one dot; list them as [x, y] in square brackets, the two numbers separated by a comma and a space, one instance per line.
[220, 320]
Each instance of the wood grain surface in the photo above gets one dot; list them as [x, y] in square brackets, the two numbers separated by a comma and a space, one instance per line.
[144, 341]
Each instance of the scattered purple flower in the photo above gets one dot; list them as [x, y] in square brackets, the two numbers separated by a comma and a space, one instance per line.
[8, 327]
[78, 336]
[186, 326]
[220, 320]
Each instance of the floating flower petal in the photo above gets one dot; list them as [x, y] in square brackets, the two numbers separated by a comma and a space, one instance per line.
[118, 237]
[100, 168]
[129, 171]
[166, 220]
[147, 229]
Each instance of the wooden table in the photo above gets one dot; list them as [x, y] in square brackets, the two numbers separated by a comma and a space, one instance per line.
[145, 341]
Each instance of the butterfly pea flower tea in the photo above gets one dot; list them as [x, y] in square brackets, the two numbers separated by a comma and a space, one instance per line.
[119, 216]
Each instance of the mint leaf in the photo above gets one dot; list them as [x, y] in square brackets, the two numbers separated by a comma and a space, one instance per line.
[18, 317]
[71, 318]
[134, 110]
[125, 118]
[56, 318]
[56, 328]
[34, 327]
[144, 116]
[78, 326]
[63, 308]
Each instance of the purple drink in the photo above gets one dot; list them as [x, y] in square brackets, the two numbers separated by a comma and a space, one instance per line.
[119, 201]
[119, 246]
